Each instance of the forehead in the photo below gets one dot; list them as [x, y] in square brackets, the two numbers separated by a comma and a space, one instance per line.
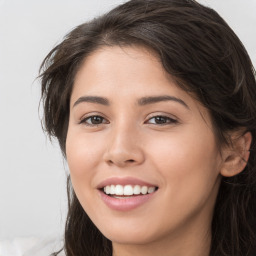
[120, 60]
[122, 68]
[115, 72]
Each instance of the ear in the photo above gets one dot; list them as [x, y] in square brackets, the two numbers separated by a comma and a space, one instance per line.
[236, 156]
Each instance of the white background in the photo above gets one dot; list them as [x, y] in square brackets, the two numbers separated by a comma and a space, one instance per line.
[32, 172]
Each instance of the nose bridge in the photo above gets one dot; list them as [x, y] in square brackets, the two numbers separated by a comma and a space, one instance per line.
[123, 146]
[122, 131]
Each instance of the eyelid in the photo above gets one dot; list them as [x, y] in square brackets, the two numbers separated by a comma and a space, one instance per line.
[89, 114]
[156, 114]
[171, 120]
[92, 114]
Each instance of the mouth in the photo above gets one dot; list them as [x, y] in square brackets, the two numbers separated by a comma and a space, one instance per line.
[127, 191]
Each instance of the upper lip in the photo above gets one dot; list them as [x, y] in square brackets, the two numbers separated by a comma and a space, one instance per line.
[124, 181]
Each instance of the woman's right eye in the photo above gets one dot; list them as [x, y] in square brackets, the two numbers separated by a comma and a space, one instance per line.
[93, 120]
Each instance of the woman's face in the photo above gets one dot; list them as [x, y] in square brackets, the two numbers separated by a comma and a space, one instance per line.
[147, 143]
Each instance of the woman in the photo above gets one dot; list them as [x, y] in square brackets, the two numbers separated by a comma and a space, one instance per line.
[154, 108]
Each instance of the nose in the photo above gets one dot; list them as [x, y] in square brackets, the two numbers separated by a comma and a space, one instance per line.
[124, 148]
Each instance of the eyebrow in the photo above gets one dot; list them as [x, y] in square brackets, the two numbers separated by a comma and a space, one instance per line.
[141, 102]
[155, 99]
[92, 99]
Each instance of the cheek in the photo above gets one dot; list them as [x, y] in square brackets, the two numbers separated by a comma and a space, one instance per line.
[187, 163]
[189, 176]
[83, 152]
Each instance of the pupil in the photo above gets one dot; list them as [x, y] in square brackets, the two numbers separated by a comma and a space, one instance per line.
[160, 120]
[96, 120]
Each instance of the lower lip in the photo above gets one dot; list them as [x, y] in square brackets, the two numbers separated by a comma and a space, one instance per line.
[125, 204]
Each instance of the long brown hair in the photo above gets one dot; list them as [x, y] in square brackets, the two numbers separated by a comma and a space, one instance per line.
[205, 57]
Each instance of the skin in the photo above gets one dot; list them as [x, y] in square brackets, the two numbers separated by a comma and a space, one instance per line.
[180, 156]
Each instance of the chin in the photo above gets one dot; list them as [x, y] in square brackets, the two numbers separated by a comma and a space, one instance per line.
[136, 232]
[122, 237]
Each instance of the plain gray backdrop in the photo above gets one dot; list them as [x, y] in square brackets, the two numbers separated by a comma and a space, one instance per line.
[32, 171]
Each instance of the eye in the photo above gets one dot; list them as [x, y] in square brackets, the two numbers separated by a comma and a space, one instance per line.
[93, 120]
[162, 120]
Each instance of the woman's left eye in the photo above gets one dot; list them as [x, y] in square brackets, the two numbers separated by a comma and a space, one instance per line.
[161, 120]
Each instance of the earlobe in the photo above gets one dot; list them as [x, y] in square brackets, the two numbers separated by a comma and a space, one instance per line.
[236, 157]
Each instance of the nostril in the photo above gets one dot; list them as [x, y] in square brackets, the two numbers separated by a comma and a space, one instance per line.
[130, 161]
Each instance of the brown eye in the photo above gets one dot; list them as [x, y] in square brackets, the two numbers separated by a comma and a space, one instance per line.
[161, 120]
[93, 120]
[96, 119]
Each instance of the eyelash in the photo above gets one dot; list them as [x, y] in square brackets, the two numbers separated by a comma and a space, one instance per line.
[84, 120]
[167, 120]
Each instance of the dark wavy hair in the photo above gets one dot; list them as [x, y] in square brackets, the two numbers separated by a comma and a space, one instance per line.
[205, 57]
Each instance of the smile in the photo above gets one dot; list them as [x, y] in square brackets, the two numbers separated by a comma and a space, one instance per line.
[127, 190]
[126, 193]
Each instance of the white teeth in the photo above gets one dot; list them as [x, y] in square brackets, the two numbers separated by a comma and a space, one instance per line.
[144, 190]
[151, 190]
[107, 189]
[112, 189]
[119, 190]
[128, 190]
[136, 190]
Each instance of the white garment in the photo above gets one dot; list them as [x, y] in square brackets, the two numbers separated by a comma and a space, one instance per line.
[31, 246]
